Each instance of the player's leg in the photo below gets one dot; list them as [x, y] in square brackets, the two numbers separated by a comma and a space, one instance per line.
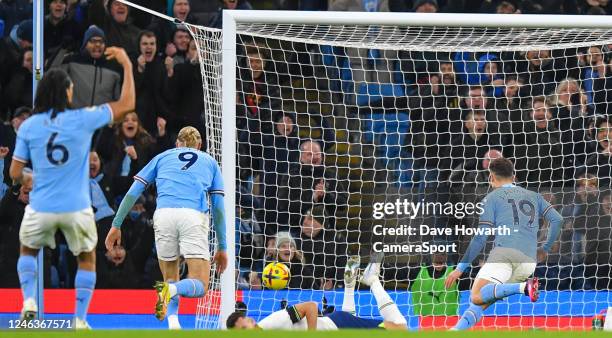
[36, 231]
[472, 315]
[350, 279]
[79, 229]
[27, 270]
[392, 317]
[170, 272]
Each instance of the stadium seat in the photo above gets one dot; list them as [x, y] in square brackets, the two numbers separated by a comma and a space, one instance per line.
[387, 131]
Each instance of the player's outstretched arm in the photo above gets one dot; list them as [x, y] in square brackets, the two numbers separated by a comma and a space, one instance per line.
[218, 213]
[114, 235]
[127, 100]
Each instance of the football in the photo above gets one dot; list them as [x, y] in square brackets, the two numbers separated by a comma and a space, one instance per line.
[276, 276]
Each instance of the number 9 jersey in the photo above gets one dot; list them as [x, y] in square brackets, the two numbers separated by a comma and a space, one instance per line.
[58, 148]
[183, 177]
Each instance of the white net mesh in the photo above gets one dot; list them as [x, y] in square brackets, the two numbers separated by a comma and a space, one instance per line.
[334, 119]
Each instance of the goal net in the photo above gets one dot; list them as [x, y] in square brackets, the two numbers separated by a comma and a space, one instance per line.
[345, 132]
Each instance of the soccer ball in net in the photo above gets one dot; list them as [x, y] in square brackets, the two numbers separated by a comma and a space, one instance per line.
[276, 276]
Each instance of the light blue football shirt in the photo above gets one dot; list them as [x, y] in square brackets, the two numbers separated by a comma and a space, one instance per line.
[520, 211]
[58, 149]
[183, 177]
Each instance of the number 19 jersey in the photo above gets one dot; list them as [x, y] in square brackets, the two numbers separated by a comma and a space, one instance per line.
[519, 210]
[183, 177]
[58, 149]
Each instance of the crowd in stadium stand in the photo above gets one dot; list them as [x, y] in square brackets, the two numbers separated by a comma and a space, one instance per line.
[546, 109]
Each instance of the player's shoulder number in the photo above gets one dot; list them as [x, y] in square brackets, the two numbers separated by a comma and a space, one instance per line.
[189, 157]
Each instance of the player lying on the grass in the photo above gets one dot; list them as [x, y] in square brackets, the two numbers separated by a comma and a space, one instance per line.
[514, 257]
[305, 316]
[57, 140]
[185, 178]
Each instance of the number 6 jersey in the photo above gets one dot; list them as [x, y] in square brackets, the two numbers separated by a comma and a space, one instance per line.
[58, 148]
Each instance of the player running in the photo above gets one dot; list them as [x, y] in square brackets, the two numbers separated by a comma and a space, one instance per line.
[56, 140]
[185, 178]
[513, 259]
[305, 316]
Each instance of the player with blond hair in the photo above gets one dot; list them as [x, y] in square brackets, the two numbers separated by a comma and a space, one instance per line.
[186, 179]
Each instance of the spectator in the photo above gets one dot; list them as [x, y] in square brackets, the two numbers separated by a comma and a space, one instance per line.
[62, 33]
[114, 20]
[125, 150]
[11, 51]
[102, 195]
[164, 29]
[8, 135]
[474, 141]
[572, 121]
[491, 75]
[12, 12]
[599, 245]
[95, 80]
[444, 86]
[602, 85]
[279, 151]
[310, 182]
[177, 49]
[538, 155]
[596, 68]
[471, 177]
[18, 91]
[600, 164]
[216, 21]
[124, 267]
[185, 95]
[318, 244]
[498, 123]
[12, 208]
[258, 100]
[537, 72]
[150, 80]
[302, 273]
[511, 101]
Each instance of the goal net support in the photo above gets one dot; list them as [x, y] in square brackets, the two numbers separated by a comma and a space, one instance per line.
[341, 134]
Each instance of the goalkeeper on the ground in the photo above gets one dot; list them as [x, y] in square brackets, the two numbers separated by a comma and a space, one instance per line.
[305, 316]
[515, 213]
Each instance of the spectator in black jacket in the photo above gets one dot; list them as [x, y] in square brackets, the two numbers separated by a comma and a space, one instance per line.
[164, 29]
[279, 151]
[95, 80]
[150, 80]
[178, 47]
[115, 20]
[12, 208]
[600, 163]
[474, 141]
[11, 51]
[62, 33]
[185, 94]
[18, 91]
[538, 156]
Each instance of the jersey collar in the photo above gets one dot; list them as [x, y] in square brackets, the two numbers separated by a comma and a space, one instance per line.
[508, 185]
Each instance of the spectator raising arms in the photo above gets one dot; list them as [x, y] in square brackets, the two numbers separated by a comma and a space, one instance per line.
[95, 79]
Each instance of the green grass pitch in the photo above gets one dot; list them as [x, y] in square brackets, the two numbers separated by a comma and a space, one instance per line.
[294, 334]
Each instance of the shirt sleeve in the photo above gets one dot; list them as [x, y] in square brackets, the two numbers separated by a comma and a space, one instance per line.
[97, 116]
[278, 320]
[22, 151]
[488, 215]
[148, 174]
[217, 183]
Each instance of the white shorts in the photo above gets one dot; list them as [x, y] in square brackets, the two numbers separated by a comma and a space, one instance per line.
[181, 231]
[506, 265]
[79, 228]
